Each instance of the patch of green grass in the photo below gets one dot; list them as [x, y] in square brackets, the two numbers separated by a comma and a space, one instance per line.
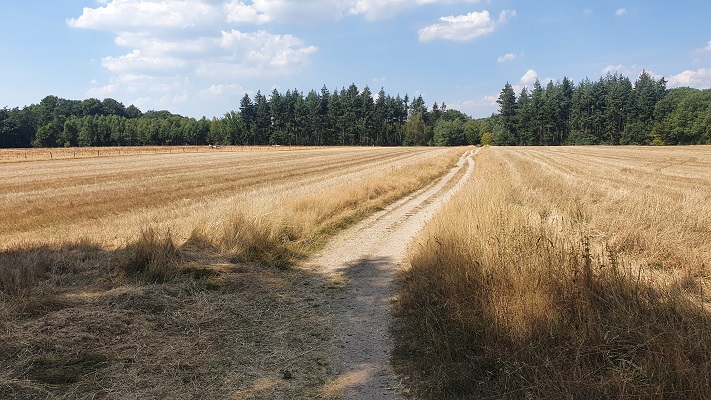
[205, 278]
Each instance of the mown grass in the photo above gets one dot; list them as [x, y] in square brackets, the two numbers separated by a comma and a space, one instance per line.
[511, 294]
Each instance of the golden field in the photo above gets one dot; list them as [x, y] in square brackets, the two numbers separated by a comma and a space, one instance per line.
[565, 272]
[557, 272]
[166, 275]
[110, 200]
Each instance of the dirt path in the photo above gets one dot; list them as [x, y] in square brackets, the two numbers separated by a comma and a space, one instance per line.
[367, 259]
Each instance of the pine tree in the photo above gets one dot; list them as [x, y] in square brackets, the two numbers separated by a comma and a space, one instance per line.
[507, 134]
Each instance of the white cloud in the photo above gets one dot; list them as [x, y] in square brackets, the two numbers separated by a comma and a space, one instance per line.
[478, 108]
[699, 79]
[266, 11]
[252, 52]
[506, 57]
[136, 62]
[529, 78]
[620, 69]
[464, 28]
[146, 14]
[620, 12]
[382, 9]
[155, 44]
[306, 11]
[632, 72]
[103, 91]
[237, 11]
[221, 90]
[705, 49]
[174, 47]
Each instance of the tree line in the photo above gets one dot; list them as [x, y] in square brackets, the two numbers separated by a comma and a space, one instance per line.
[349, 117]
[611, 110]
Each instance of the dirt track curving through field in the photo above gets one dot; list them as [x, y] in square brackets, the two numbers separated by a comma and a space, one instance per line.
[367, 258]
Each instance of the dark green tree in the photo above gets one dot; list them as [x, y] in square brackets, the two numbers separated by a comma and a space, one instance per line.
[507, 134]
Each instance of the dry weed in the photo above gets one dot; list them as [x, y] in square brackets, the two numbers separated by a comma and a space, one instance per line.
[521, 290]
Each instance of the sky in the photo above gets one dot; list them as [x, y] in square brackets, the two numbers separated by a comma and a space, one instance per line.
[199, 57]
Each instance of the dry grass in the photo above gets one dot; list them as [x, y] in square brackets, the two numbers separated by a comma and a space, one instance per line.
[24, 155]
[143, 276]
[565, 273]
[111, 200]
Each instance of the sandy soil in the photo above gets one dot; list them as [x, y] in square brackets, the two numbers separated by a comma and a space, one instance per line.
[366, 260]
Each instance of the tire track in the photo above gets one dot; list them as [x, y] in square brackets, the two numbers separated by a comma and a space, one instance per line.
[367, 258]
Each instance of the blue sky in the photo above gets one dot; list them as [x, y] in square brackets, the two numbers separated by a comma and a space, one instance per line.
[199, 57]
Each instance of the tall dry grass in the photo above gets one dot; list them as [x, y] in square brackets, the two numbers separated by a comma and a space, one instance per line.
[525, 286]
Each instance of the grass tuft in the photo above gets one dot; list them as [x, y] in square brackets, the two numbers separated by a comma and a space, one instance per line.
[21, 269]
[153, 258]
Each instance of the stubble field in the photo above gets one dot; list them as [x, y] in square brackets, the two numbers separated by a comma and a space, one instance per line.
[168, 275]
[109, 200]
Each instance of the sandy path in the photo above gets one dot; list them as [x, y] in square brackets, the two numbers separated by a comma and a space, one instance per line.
[367, 258]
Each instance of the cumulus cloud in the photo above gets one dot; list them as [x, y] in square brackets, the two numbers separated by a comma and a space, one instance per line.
[631, 72]
[251, 53]
[705, 49]
[222, 89]
[137, 62]
[464, 28]
[699, 79]
[101, 92]
[121, 15]
[171, 49]
[268, 11]
[628, 71]
[529, 78]
[176, 45]
[478, 108]
[620, 12]
[382, 9]
[506, 57]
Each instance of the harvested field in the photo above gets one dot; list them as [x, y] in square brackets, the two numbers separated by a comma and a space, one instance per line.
[111, 199]
[168, 275]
